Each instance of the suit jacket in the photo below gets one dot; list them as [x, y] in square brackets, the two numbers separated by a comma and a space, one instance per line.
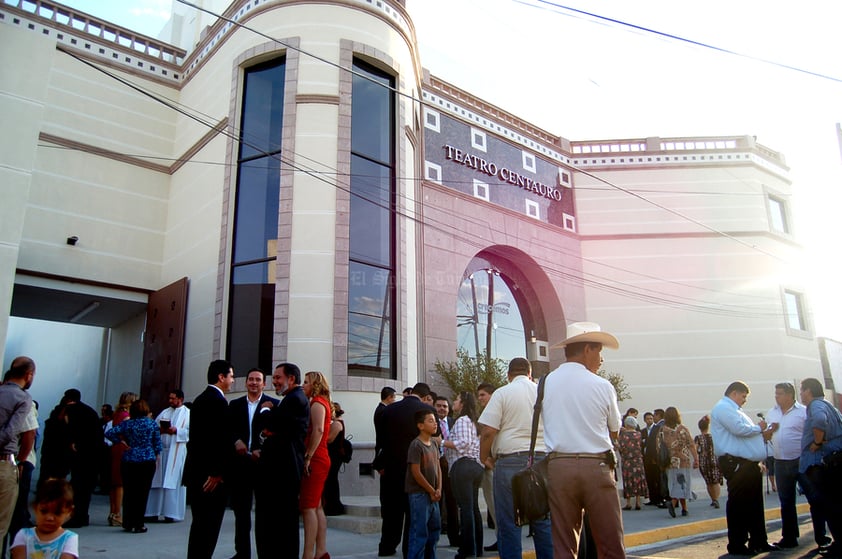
[396, 428]
[283, 451]
[210, 448]
[238, 412]
[650, 447]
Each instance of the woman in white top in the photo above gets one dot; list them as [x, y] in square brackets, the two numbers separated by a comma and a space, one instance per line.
[466, 473]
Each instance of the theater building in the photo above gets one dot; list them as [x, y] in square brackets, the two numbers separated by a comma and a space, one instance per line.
[297, 186]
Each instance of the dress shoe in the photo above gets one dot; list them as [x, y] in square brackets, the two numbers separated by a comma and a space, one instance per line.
[824, 544]
[671, 509]
[787, 544]
[140, 530]
[492, 547]
[833, 550]
[764, 547]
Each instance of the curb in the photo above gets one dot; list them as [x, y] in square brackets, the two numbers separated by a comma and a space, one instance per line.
[678, 531]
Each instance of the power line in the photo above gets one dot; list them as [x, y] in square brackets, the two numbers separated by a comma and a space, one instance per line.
[679, 38]
[448, 229]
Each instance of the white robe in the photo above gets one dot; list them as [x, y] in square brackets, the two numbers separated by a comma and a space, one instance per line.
[168, 497]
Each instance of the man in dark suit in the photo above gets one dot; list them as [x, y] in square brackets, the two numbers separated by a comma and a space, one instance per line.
[281, 461]
[396, 428]
[85, 437]
[651, 465]
[209, 454]
[246, 418]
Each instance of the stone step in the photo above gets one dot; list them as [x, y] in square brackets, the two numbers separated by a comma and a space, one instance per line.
[363, 509]
[355, 524]
[362, 516]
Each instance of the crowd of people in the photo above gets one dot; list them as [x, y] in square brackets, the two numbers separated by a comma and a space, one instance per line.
[485, 441]
[211, 452]
[433, 456]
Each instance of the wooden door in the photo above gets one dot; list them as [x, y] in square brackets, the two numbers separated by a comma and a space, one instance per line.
[163, 344]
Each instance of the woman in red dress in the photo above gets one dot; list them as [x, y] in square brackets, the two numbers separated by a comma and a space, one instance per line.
[316, 467]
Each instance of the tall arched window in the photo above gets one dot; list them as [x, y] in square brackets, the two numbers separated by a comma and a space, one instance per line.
[252, 295]
[371, 281]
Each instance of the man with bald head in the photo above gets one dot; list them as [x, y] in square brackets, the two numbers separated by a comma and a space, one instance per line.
[15, 440]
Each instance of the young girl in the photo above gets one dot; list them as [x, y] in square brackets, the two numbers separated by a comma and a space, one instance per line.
[48, 540]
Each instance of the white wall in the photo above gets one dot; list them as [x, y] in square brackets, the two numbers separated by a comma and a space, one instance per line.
[66, 356]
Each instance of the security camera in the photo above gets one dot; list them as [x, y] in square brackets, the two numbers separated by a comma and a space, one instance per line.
[72, 240]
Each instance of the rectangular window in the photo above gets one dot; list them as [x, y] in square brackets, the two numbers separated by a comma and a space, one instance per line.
[371, 285]
[256, 205]
[795, 316]
[778, 215]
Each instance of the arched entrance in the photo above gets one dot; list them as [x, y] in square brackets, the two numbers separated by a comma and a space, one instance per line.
[498, 307]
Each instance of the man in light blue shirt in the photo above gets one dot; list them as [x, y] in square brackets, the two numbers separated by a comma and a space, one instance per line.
[739, 444]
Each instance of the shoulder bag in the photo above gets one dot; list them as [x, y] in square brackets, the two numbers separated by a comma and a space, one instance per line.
[529, 486]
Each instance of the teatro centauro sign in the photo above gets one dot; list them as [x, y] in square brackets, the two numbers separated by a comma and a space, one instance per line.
[505, 174]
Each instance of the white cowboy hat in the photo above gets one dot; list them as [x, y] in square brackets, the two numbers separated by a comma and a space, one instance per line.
[588, 332]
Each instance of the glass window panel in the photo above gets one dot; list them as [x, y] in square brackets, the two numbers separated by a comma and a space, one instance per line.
[371, 114]
[251, 317]
[369, 321]
[263, 107]
[777, 211]
[371, 223]
[478, 318]
[794, 311]
[256, 222]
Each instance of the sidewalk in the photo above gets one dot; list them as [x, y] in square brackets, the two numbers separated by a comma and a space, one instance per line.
[169, 541]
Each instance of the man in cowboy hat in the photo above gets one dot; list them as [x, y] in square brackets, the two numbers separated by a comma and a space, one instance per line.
[581, 421]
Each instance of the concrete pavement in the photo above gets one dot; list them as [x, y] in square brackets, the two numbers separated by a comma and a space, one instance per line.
[651, 529]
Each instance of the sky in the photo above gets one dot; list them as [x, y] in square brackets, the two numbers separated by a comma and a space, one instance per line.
[775, 72]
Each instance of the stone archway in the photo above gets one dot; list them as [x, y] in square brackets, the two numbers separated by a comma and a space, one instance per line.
[522, 297]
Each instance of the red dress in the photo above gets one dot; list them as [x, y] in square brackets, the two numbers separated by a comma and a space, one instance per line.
[312, 485]
[117, 451]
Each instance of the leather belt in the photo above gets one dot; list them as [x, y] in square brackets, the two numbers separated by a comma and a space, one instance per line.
[577, 455]
[521, 453]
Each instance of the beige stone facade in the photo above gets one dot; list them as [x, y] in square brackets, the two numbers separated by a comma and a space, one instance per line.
[675, 245]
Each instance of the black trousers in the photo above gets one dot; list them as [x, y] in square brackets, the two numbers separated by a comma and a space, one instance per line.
[208, 509]
[744, 510]
[330, 496]
[137, 480]
[394, 511]
[82, 480]
[276, 514]
[450, 511]
[244, 482]
[653, 482]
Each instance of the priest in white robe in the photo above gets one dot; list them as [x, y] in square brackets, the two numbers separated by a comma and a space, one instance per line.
[168, 498]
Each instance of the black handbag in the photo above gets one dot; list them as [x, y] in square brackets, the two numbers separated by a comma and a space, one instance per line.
[529, 486]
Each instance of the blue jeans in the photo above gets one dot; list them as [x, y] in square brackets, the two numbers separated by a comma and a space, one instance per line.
[424, 526]
[508, 534]
[465, 478]
[786, 474]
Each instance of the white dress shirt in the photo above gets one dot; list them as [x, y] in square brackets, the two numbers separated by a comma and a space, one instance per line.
[786, 441]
